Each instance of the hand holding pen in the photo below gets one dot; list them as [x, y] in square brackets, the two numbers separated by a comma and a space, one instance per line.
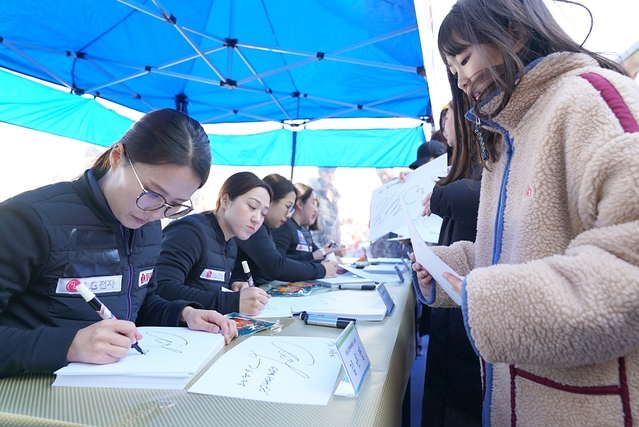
[102, 342]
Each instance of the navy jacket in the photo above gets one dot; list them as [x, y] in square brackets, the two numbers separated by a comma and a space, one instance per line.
[53, 238]
[457, 203]
[267, 263]
[196, 262]
[294, 241]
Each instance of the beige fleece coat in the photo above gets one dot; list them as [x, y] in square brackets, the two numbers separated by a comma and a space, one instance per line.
[562, 303]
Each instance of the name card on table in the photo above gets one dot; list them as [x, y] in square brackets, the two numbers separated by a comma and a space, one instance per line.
[386, 210]
[355, 361]
[388, 300]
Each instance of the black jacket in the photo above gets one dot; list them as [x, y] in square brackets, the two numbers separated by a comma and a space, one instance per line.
[195, 254]
[53, 238]
[294, 241]
[457, 204]
[266, 263]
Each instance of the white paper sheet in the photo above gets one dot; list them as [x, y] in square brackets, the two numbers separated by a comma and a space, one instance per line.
[172, 357]
[377, 277]
[386, 211]
[425, 256]
[358, 304]
[301, 370]
[276, 307]
[345, 278]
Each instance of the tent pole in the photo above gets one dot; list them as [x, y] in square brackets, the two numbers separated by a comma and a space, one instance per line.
[294, 142]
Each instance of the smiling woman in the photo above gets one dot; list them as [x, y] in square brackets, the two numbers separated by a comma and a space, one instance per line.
[199, 251]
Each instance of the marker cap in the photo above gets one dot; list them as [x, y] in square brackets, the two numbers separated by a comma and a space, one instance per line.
[85, 292]
[245, 267]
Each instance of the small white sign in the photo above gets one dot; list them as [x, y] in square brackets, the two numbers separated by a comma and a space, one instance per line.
[354, 359]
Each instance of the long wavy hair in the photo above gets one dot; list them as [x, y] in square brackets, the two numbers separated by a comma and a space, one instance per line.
[521, 31]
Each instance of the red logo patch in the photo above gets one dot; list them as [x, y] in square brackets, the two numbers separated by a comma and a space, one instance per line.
[145, 277]
[72, 284]
[209, 274]
[529, 192]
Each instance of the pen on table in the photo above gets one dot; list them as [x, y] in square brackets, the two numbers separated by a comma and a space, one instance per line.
[357, 286]
[247, 271]
[100, 308]
[324, 320]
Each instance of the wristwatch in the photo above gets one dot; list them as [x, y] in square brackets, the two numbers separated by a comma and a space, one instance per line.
[323, 252]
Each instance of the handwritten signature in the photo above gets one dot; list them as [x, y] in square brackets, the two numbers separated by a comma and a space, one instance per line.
[289, 355]
[166, 341]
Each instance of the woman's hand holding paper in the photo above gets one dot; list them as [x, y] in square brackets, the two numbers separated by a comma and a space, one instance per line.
[425, 279]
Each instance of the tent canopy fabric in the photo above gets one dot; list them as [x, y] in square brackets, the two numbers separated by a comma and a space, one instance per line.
[226, 60]
[222, 61]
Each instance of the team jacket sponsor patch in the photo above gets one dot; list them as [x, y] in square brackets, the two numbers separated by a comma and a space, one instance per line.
[210, 274]
[99, 285]
[145, 277]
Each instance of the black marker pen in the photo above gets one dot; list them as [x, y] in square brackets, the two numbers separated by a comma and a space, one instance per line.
[100, 308]
[324, 320]
[247, 270]
[357, 286]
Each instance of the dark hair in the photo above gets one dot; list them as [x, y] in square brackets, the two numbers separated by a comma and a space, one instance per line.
[302, 192]
[241, 183]
[166, 137]
[502, 24]
[280, 186]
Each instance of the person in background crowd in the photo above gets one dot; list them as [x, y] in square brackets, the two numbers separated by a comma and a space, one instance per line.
[328, 225]
[102, 228]
[259, 250]
[293, 239]
[550, 288]
[452, 388]
[198, 251]
[383, 247]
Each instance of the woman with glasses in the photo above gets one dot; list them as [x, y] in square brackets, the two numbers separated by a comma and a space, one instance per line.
[265, 261]
[293, 239]
[100, 230]
[198, 252]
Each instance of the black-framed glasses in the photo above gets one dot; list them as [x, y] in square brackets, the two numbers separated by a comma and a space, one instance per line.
[151, 201]
[290, 210]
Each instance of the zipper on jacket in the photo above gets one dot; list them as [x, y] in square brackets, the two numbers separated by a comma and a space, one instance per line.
[127, 250]
[227, 273]
[501, 205]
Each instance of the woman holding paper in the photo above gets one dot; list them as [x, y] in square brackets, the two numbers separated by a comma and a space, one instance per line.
[101, 231]
[550, 296]
[199, 251]
[293, 239]
[265, 261]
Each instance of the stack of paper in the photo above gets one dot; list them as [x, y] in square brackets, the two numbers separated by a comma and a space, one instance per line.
[361, 305]
[172, 358]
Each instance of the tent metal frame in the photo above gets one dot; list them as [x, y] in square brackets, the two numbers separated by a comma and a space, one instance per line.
[233, 46]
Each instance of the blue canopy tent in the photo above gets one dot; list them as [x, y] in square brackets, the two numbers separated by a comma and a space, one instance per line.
[226, 61]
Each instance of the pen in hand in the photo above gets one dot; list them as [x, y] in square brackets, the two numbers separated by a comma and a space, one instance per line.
[100, 308]
[247, 271]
